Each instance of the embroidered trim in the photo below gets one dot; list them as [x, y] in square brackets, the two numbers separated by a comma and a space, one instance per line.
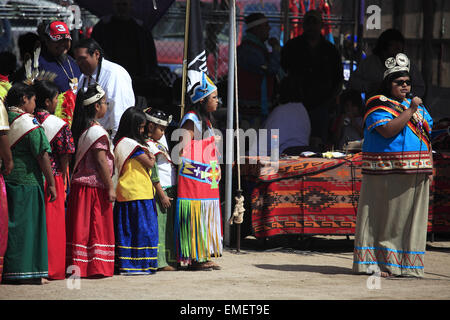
[25, 275]
[402, 162]
[145, 258]
[96, 252]
[137, 248]
[391, 257]
[90, 260]
[95, 244]
[139, 269]
[379, 121]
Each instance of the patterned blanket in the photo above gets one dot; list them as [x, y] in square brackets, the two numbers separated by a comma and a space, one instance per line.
[439, 213]
[320, 196]
[261, 168]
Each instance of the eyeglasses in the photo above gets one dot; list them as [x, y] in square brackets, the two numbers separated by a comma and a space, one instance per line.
[402, 82]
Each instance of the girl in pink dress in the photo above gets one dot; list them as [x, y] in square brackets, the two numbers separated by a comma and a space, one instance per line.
[89, 225]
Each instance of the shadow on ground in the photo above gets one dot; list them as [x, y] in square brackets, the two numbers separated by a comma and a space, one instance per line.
[316, 243]
[323, 269]
[324, 243]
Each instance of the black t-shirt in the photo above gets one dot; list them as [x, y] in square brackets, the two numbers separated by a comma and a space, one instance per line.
[318, 71]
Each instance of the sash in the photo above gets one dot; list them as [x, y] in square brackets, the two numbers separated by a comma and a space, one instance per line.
[123, 150]
[418, 125]
[158, 148]
[52, 126]
[89, 137]
[23, 124]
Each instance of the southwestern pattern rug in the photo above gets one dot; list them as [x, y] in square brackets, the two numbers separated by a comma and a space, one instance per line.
[320, 196]
[439, 213]
[308, 196]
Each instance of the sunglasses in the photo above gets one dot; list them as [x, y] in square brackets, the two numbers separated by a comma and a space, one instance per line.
[402, 82]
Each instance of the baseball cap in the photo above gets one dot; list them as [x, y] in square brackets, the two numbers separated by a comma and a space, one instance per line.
[58, 30]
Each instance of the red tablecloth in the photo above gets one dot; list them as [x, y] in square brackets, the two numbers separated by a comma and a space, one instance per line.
[439, 213]
[320, 196]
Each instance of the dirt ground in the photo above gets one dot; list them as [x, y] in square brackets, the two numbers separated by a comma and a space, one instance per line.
[314, 268]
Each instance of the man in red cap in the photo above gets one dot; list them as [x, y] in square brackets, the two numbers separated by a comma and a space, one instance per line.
[55, 58]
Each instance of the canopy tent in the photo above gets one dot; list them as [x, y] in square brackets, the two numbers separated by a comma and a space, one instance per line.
[148, 11]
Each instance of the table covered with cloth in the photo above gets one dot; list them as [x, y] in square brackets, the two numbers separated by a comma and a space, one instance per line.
[320, 196]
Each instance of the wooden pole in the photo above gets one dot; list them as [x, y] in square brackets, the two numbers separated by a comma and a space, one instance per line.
[184, 75]
[427, 40]
[229, 133]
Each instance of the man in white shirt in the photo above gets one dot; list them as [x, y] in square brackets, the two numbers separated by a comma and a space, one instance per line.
[113, 78]
[290, 118]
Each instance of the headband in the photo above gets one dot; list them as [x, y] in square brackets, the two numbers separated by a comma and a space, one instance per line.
[100, 93]
[399, 63]
[256, 22]
[202, 89]
[159, 121]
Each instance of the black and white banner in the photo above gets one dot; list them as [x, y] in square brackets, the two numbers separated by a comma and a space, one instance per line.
[196, 55]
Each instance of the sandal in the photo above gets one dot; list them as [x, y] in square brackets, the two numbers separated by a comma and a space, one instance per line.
[213, 265]
[200, 266]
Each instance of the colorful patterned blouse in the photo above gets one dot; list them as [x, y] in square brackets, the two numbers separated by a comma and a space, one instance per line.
[406, 152]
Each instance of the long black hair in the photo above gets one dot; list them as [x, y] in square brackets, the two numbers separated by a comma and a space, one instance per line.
[130, 122]
[386, 84]
[83, 116]
[15, 95]
[44, 90]
[199, 108]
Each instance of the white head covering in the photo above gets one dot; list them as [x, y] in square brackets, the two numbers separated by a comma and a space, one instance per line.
[399, 63]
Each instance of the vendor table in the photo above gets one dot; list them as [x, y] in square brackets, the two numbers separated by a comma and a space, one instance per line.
[320, 196]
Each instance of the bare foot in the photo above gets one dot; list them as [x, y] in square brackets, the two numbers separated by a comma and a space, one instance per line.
[167, 268]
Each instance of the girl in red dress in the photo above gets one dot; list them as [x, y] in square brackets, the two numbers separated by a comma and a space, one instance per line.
[89, 224]
[61, 141]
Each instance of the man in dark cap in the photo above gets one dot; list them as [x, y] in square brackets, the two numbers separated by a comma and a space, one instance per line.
[54, 55]
[257, 70]
[54, 58]
[315, 65]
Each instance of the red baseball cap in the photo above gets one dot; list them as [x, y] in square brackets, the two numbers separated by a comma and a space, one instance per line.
[58, 30]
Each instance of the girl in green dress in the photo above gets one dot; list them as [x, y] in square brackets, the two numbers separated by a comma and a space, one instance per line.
[26, 254]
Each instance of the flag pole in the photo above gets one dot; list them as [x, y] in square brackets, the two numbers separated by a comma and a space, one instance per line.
[184, 76]
[230, 126]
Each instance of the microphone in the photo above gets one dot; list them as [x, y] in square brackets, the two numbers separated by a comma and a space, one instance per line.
[410, 95]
